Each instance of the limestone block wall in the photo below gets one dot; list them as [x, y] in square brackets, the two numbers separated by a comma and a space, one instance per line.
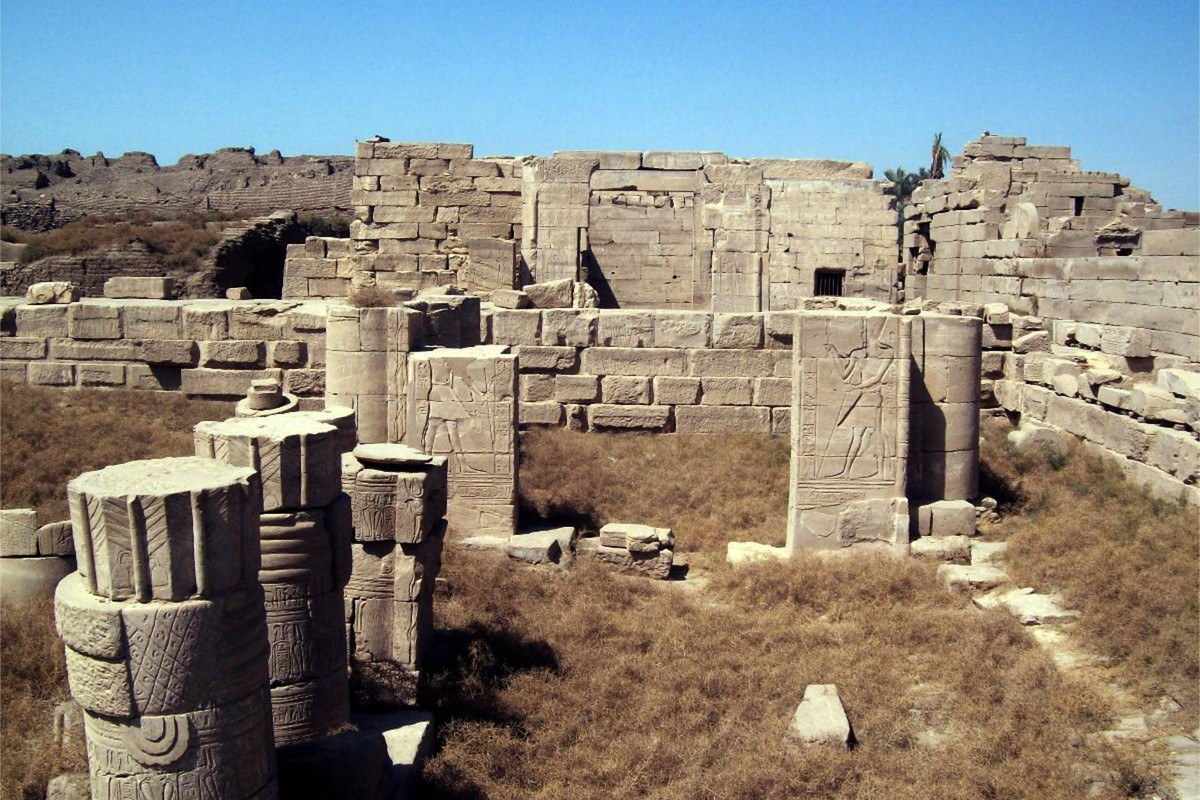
[703, 372]
[1022, 225]
[679, 229]
[203, 348]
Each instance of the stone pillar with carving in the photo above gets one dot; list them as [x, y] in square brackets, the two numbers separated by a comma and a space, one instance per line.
[165, 632]
[399, 500]
[850, 430]
[462, 405]
[305, 541]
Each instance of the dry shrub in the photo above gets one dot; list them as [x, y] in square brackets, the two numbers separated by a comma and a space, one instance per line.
[181, 240]
[373, 297]
[1128, 561]
[710, 489]
[35, 680]
[51, 435]
[595, 685]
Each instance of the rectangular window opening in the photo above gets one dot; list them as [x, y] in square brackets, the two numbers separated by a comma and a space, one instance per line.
[1078, 206]
[828, 282]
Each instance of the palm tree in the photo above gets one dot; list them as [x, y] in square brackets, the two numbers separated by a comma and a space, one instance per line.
[940, 155]
[906, 182]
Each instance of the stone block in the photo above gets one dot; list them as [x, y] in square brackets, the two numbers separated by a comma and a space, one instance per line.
[510, 298]
[773, 392]
[1033, 342]
[625, 390]
[94, 321]
[18, 532]
[625, 329]
[676, 391]
[232, 353]
[551, 294]
[223, 382]
[536, 387]
[550, 359]
[541, 413]
[568, 326]
[149, 288]
[100, 374]
[723, 419]
[513, 327]
[672, 159]
[41, 321]
[946, 518]
[949, 549]
[1124, 341]
[582, 389]
[287, 353]
[52, 373]
[651, 417]
[22, 347]
[634, 361]
[682, 329]
[738, 331]
[726, 391]
[52, 293]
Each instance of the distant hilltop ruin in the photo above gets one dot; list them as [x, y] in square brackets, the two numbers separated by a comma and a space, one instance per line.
[46, 191]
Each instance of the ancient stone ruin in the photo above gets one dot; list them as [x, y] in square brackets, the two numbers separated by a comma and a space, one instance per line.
[224, 604]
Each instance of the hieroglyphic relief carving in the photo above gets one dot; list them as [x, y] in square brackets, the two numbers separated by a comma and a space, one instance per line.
[463, 407]
[165, 631]
[850, 421]
[399, 501]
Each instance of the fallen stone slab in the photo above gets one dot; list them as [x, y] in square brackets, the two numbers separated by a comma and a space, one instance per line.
[551, 294]
[820, 718]
[961, 577]
[987, 552]
[752, 552]
[52, 293]
[482, 542]
[951, 549]
[509, 298]
[1049, 441]
[1180, 382]
[541, 547]
[353, 763]
[1185, 765]
[408, 735]
[1028, 606]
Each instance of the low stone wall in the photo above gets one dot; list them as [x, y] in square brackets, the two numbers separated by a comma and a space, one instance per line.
[1135, 410]
[203, 348]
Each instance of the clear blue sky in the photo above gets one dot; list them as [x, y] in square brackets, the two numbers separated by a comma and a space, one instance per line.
[872, 81]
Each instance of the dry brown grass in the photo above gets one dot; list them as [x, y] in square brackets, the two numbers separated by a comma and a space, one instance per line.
[710, 489]
[179, 239]
[48, 436]
[1129, 562]
[595, 685]
[34, 681]
[373, 297]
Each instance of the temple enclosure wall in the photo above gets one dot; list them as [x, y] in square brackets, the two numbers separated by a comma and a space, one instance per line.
[678, 229]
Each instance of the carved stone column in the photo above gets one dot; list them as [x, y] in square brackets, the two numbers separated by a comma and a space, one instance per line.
[305, 542]
[165, 631]
[399, 501]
